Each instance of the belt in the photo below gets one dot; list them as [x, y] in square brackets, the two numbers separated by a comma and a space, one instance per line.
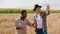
[38, 29]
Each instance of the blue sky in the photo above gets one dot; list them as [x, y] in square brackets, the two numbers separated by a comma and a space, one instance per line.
[55, 4]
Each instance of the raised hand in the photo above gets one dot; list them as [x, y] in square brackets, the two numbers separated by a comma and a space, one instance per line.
[48, 8]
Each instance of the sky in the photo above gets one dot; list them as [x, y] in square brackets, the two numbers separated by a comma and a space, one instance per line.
[54, 4]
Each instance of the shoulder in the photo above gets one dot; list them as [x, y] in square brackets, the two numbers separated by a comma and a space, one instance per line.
[17, 19]
[35, 17]
[43, 13]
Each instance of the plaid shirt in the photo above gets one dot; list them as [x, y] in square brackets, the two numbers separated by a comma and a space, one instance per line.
[43, 16]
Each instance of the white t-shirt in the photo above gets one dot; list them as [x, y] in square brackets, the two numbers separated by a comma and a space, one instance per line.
[39, 21]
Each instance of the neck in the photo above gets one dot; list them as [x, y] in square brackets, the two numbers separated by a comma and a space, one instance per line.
[22, 18]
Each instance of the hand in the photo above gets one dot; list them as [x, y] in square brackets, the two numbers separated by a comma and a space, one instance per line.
[48, 8]
[34, 25]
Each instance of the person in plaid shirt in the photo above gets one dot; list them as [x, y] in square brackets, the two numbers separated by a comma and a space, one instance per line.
[40, 19]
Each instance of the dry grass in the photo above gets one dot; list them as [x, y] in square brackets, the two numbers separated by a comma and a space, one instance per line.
[7, 23]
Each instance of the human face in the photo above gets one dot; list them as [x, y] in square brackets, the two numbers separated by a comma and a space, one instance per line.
[24, 15]
[38, 10]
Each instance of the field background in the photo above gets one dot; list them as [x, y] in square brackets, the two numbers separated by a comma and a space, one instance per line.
[18, 10]
[7, 23]
[9, 15]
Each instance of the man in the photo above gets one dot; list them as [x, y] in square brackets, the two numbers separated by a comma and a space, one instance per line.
[21, 23]
[40, 19]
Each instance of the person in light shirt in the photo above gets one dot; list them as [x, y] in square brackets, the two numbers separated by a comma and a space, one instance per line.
[40, 19]
[21, 23]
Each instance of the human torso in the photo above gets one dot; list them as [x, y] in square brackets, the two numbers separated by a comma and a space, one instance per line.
[22, 23]
[39, 21]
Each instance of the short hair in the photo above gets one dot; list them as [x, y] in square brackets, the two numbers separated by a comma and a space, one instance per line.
[22, 12]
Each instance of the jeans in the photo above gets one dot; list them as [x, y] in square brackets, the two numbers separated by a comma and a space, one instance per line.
[40, 31]
[45, 31]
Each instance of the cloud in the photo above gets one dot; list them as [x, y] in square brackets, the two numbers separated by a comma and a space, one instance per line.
[55, 4]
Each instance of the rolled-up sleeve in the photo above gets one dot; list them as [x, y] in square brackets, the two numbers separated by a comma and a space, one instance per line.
[47, 13]
[16, 24]
[28, 22]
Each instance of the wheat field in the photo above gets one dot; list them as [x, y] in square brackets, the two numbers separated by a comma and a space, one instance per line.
[7, 23]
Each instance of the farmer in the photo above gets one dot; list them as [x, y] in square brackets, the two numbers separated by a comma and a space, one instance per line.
[40, 19]
[21, 23]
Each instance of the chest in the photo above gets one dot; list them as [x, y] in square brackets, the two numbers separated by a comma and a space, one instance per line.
[38, 18]
[21, 22]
